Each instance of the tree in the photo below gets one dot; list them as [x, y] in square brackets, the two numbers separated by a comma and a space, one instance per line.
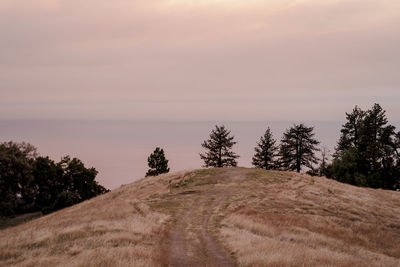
[16, 191]
[219, 153]
[298, 148]
[350, 132]
[29, 182]
[371, 160]
[345, 169]
[157, 162]
[47, 176]
[69, 181]
[266, 152]
[77, 178]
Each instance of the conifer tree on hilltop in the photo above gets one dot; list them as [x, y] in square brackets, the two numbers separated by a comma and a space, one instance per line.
[266, 152]
[219, 149]
[351, 131]
[157, 162]
[298, 148]
[367, 153]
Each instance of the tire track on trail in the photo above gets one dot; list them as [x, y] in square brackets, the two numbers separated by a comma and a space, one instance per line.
[191, 242]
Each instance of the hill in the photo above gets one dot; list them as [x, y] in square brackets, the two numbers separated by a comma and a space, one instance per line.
[216, 217]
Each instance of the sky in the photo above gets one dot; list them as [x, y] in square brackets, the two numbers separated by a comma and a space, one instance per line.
[198, 59]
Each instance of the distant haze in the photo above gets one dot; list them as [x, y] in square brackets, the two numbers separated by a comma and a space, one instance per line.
[198, 59]
[119, 149]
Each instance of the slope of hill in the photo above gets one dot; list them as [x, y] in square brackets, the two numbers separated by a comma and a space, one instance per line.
[216, 217]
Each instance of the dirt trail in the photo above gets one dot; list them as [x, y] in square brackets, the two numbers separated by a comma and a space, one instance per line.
[191, 242]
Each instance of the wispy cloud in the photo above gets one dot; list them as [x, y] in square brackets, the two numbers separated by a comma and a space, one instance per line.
[195, 59]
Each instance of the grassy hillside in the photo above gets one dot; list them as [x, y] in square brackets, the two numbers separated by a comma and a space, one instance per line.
[227, 217]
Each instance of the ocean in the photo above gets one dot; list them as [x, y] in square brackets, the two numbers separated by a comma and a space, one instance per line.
[118, 149]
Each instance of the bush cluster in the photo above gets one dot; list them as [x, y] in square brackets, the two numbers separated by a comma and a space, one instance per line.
[29, 182]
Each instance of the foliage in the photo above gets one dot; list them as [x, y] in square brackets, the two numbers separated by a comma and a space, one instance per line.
[29, 182]
[298, 148]
[157, 162]
[77, 178]
[219, 149]
[367, 153]
[15, 176]
[47, 175]
[266, 152]
[350, 132]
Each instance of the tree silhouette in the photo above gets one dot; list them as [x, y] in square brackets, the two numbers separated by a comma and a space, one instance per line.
[219, 153]
[266, 151]
[351, 131]
[298, 148]
[157, 162]
[367, 153]
[29, 182]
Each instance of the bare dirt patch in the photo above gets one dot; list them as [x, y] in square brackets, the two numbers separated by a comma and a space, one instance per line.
[191, 241]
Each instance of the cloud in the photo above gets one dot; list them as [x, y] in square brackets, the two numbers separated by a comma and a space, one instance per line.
[196, 59]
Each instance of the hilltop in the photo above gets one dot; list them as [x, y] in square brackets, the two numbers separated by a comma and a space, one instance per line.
[216, 217]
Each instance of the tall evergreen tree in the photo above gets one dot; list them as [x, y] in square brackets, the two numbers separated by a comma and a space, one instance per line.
[219, 149]
[157, 162]
[350, 132]
[371, 160]
[376, 136]
[298, 148]
[266, 152]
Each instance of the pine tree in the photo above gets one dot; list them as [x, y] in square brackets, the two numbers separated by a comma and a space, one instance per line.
[351, 131]
[376, 135]
[372, 159]
[266, 151]
[219, 153]
[157, 162]
[298, 148]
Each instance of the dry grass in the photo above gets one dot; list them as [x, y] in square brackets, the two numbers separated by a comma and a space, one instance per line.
[116, 229]
[309, 221]
[264, 219]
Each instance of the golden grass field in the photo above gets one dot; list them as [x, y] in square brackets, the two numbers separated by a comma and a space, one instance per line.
[216, 217]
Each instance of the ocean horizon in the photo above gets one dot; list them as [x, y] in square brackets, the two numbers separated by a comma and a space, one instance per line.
[118, 149]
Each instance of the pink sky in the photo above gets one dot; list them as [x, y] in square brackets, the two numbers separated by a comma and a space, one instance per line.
[199, 59]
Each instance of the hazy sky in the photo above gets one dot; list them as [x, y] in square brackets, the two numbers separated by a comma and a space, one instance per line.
[198, 59]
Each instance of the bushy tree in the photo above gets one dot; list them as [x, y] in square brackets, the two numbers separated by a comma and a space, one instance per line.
[372, 159]
[266, 152]
[219, 149]
[73, 183]
[64, 199]
[77, 178]
[48, 176]
[298, 148]
[16, 179]
[30, 183]
[157, 162]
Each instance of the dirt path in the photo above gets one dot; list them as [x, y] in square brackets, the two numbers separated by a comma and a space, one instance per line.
[191, 241]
